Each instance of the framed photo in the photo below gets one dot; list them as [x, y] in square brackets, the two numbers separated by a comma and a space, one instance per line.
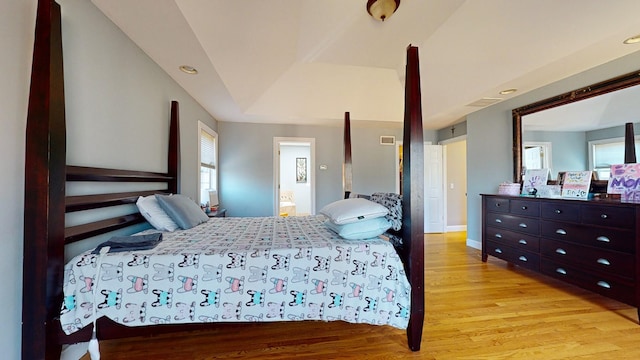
[301, 170]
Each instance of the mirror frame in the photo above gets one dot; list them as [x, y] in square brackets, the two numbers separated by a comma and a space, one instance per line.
[607, 86]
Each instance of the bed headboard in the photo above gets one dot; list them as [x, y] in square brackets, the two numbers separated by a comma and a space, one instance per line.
[46, 176]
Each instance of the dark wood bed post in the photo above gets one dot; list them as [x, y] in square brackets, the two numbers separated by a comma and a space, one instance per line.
[44, 204]
[412, 250]
[173, 165]
[347, 169]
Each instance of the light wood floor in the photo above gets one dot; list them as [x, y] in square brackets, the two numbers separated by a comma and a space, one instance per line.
[474, 310]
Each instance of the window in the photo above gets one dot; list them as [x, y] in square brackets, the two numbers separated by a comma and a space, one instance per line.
[604, 153]
[537, 155]
[208, 159]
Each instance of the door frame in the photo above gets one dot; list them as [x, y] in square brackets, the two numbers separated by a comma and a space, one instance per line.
[445, 180]
[276, 169]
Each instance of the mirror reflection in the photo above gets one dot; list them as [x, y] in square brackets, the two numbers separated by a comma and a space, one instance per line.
[580, 130]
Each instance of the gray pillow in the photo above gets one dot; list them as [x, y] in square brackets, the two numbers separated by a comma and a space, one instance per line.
[182, 210]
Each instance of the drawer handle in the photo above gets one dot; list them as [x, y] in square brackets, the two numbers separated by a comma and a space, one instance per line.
[497, 204]
[499, 236]
[561, 232]
[557, 211]
[524, 208]
[522, 241]
[603, 239]
[604, 216]
[523, 225]
[561, 271]
[498, 251]
[498, 221]
[561, 251]
[523, 258]
[604, 284]
[603, 261]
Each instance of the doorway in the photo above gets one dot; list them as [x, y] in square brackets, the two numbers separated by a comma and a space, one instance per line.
[455, 180]
[294, 176]
[434, 204]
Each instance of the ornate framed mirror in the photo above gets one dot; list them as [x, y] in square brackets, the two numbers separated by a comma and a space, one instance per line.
[610, 86]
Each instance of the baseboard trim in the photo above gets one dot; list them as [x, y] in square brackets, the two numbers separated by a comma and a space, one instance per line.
[474, 244]
[453, 228]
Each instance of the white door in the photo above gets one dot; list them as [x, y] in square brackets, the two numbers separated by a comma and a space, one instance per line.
[433, 189]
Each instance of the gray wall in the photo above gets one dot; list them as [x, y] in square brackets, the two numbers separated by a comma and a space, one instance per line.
[569, 150]
[246, 162]
[117, 104]
[612, 132]
[489, 138]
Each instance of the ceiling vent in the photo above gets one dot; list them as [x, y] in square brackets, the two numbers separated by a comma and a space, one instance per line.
[387, 140]
[485, 101]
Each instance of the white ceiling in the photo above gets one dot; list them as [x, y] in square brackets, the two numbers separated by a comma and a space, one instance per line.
[309, 61]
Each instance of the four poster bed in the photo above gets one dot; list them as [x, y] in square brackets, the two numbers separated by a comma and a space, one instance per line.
[52, 317]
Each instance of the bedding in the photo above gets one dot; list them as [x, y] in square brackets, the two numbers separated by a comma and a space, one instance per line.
[241, 270]
[348, 211]
[153, 213]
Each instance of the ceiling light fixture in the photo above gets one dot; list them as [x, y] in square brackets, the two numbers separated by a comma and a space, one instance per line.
[508, 91]
[633, 40]
[382, 9]
[188, 69]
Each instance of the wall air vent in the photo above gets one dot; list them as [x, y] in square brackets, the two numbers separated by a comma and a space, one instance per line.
[387, 140]
[485, 101]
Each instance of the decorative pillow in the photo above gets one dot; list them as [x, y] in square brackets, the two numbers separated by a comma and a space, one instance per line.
[351, 210]
[184, 211]
[151, 210]
[365, 229]
[393, 202]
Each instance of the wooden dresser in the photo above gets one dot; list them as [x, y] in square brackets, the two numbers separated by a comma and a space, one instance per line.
[591, 244]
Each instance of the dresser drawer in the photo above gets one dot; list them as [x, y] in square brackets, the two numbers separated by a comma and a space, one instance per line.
[497, 204]
[511, 238]
[560, 211]
[525, 207]
[611, 262]
[511, 222]
[515, 256]
[612, 216]
[607, 286]
[604, 238]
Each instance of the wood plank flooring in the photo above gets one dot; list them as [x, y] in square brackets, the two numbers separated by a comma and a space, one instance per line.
[474, 310]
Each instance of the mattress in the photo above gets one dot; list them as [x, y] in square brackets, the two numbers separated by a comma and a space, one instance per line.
[241, 270]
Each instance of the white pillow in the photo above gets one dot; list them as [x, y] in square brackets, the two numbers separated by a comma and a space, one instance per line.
[352, 210]
[184, 211]
[151, 210]
[365, 229]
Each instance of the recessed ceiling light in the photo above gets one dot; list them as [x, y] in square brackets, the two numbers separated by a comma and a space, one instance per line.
[632, 40]
[508, 91]
[188, 69]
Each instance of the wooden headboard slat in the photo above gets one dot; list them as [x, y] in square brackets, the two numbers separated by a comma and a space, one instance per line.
[87, 202]
[85, 231]
[83, 173]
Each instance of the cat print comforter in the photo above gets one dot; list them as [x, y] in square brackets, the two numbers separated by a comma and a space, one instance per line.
[241, 270]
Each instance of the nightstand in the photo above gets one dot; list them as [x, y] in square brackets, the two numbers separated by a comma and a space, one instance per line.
[218, 213]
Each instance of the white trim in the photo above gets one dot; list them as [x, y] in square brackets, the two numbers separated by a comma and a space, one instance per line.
[546, 145]
[445, 181]
[474, 244]
[454, 228]
[276, 169]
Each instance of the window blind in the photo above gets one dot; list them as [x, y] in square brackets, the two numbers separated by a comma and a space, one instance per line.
[207, 150]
